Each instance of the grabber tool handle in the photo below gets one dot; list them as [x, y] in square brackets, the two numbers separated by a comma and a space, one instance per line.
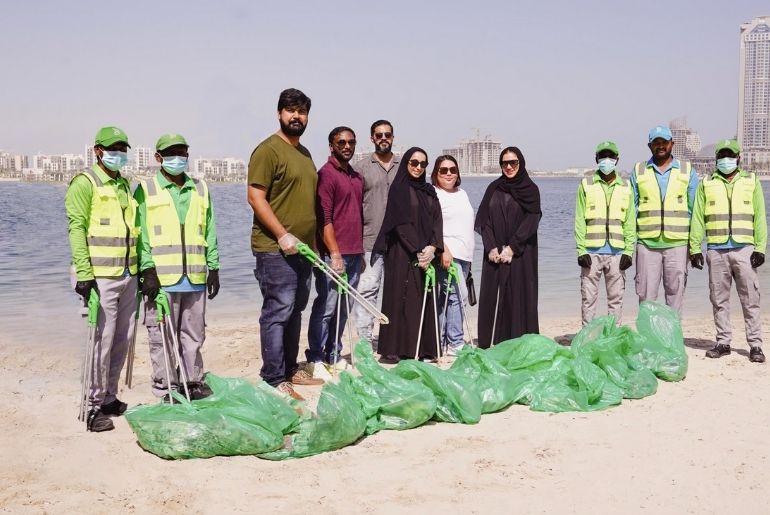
[340, 288]
[161, 306]
[93, 308]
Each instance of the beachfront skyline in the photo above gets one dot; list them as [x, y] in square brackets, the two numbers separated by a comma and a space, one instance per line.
[548, 78]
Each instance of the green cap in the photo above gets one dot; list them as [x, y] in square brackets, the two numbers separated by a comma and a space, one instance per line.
[169, 140]
[607, 145]
[729, 144]
[109, 136]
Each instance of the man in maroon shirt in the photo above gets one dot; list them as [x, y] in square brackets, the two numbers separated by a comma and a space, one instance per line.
[339, 201]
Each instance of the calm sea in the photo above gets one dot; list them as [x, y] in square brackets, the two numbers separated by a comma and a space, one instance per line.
[37, 304]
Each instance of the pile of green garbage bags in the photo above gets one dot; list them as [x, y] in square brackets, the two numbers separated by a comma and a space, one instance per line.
[604, 365]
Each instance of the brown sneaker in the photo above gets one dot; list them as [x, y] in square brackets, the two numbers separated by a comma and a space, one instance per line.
[303, 378]
[285, 387]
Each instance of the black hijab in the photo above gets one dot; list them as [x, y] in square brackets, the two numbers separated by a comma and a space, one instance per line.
[520, 187]
[397, 210]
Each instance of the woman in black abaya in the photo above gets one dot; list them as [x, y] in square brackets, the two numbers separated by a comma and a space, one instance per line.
[410, 237]
[507, 220]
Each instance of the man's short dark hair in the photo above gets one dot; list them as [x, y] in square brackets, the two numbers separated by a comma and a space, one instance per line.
[378, 123]
[338, 130]
[293, 98]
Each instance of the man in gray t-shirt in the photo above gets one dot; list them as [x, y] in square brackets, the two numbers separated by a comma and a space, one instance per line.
[378, 171]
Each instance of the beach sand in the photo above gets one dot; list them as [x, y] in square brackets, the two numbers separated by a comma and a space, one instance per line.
[697, 446]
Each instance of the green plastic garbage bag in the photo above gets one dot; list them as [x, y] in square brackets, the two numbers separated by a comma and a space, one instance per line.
[616, 350]
[456, 397]
[493, 383]
[574, 384]
[238, 419]
[661, 340]
[531, 352]
[387, 400]
[339, 422]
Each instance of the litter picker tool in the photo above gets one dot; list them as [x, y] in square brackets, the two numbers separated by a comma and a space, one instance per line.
[168, 335]
[132, 342]
[87, 376]
[311, 256]
[454, 274]
[341, 291]
[429, 285]
[494, 321]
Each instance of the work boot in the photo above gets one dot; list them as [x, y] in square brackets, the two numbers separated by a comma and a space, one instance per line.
[198, 391]
[116, 407]
[756, 355]
[285, 387]
[98, 421]
[303, 378]
[718, 351]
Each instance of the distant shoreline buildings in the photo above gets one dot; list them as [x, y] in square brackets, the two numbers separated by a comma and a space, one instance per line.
[476, 155]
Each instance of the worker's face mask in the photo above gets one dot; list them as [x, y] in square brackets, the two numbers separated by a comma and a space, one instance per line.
[607, 165]
[174, 165]
[727, 165]
[114, 160]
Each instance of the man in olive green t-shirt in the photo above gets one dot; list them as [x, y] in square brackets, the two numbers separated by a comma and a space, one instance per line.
[281, 191]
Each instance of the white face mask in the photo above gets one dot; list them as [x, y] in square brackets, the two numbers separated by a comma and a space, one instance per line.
[727, 165]
[114, 160]
[607, 165]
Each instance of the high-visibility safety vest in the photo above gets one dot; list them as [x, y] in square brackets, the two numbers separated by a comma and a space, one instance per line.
[670, 216]
[730, 215]
[112, 231]
[604, 221]
[177, 249]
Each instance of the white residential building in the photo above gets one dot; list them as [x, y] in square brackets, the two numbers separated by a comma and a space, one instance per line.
[477, 155]
[754, 92]
[686, 140]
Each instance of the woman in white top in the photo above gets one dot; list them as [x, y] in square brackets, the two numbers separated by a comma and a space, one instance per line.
[459, 243]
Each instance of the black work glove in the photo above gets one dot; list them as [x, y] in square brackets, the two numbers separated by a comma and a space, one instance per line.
[212, 283]
[696, 260]
[83, 288]
[150, 284]
[625, 262]
[757, 259]
[584, 261]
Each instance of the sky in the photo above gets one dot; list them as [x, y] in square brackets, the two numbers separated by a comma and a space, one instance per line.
[551, 77]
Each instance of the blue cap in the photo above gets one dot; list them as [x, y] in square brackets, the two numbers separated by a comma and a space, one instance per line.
[660, 131]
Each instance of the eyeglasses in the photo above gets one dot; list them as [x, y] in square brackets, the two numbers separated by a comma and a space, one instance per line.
[447, 170]
[513, 163]
[383, 135]
[418, 164]
[344, 143]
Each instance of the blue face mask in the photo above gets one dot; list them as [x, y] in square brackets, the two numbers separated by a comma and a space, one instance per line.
[727, 164]
[114, 160]
[174, 165]
[607, 165]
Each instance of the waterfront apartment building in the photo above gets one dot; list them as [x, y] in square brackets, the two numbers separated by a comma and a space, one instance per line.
[13, 163]
[477, 155]
[686, 140]
[228, 169]
[754, 92]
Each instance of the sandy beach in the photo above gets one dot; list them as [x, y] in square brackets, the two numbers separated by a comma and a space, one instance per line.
[697, 446]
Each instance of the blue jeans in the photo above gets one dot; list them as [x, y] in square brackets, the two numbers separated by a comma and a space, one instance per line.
[323, 316]
[452, 328]
[285, 285]
[369, 287]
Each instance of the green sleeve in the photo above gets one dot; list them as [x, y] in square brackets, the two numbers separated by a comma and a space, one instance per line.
[760, 222]
[77, 203]
[629, 227]
[143, 249]
[212, 248]
[697, 222]
[262, 166]
[580, 220]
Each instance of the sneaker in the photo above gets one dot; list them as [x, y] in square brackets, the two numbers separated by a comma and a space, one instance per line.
[342, 364]
[302, 377]
[453, 350]
[116, 408]
[98, 421]
[756, 355]
[718, 351]
[199, 391]
[286, 388]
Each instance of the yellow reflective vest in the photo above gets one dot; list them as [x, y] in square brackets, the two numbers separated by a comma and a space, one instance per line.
[604, 222]
[669, 216]
[112, 231]
[177, 249]
[729, 215]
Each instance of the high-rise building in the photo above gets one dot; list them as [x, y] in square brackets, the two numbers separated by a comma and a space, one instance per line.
[144, 158]
[754, 92]
[89, 158]
[476, 155]
[686, 140]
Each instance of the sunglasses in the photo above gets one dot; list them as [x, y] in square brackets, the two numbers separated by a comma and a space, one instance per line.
[418, 164]
[447, 170]
[345, 142]
[513, 163]
[383, 135]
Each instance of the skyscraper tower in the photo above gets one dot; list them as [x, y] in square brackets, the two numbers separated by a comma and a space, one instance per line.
[754, 91]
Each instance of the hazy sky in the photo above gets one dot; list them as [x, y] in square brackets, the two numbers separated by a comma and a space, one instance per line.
[553, 77]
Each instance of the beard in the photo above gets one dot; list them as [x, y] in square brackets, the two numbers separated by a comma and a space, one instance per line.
[292, 128]
[383, 147]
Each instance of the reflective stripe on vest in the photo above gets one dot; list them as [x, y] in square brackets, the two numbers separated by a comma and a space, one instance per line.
[729, 215]
[177, 249]
[669, 216]
[112, 232]
[604, 223]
